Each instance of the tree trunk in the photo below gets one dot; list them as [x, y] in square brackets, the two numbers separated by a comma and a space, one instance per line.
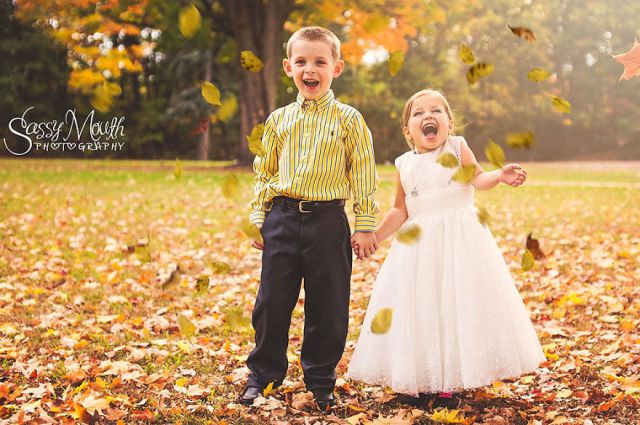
[203, 143]
[257, 26]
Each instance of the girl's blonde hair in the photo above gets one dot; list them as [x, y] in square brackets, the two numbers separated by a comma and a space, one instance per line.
[406, 112]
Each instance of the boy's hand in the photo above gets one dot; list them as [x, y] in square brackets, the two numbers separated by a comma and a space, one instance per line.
[364, 244]
[513, 175]
[256, 243]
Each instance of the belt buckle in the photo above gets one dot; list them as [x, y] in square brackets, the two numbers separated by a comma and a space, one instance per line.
[303, 210]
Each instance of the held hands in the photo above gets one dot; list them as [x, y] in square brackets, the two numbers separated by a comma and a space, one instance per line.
[364, 244]
[513, 175]
[256, 243]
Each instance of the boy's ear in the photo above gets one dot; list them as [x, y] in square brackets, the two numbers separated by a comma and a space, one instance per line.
[338, 68]
[287, 67]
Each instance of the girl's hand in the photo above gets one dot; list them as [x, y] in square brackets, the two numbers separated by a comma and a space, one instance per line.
[513, 175]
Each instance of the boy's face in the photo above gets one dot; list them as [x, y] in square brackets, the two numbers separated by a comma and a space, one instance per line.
[312, 67]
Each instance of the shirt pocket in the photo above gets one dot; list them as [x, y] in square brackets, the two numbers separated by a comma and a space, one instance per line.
[332, 143]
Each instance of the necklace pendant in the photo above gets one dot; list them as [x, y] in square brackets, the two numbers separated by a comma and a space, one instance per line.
[414, 192]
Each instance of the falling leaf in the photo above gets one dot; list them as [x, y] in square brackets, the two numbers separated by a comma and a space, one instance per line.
[255, 140]
[446, 416]
[187, 328]
[494, 154]
[631, 62]
[230, 186]
[189, 21]
[234, 318]
[478, 71]
[465, 54]
[483, 215]
[250, 61]
[220, 267]
[527, 261]
[227, 109]
[202, 285]
[177, 170]
[268, 390]
[409, 234]
[520, 140]
[538, 74]
[524, 33]
[560, 104]
[448, 160]
[382, 321]
[533, 245]
[210, 93]
[173, 279]
[252, 231]
[465, 174]
[396, 60]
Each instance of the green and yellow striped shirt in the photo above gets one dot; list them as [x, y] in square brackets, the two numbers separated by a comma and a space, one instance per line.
[317, 150]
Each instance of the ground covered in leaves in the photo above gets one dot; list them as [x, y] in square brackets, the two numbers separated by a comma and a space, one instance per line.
[126, 294]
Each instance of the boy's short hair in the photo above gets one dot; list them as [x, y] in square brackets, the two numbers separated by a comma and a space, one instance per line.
[316, 34]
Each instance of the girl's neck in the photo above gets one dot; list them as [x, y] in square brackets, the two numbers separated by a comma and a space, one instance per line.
[419, 151]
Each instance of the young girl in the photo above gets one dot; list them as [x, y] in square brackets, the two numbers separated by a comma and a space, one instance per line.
[458, 321]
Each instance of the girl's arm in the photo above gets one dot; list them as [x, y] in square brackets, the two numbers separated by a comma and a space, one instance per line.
[511, 174]
[397, 215]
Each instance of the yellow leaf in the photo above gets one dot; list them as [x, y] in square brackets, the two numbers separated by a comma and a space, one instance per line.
[465, 54]
[230, 186]
[448, 160]
[177, 170]
[446, 416]
[560, 104]
[538, 74]
[228, 108]
[527, 260]
[382, 321]
[187, 328]
[520, 140]
[483, 215]
[251, 230]
[255, 140]
[465, 174]
[250, 61]
[494, 154]
[524, 33]
[210, 93]
[478, 71]
[173, 279]
[268, 390]
[184, 346]
[181, 382]
[234, 318]
[202, 285]
[189, 20]
[396, 60]
[220, 267]
[409, 234]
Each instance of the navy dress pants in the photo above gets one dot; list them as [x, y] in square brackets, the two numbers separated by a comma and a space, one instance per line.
[314, 247]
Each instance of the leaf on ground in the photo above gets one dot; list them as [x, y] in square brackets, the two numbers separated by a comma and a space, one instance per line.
[268, 390]
[202, 285]
[446, 416]
[409, 234]
[220, 267]
[382, 321]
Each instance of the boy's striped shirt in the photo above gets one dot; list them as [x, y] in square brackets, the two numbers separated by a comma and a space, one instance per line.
[317, 150]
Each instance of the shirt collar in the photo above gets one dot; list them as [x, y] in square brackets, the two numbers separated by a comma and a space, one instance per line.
[319, 103]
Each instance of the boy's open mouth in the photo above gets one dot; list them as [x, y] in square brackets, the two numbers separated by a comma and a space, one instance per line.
[311, 83]
[430, 129]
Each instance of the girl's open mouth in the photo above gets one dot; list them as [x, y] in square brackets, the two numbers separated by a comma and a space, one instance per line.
[430, 129]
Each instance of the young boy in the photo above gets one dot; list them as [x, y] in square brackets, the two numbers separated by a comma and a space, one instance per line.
[317, 151]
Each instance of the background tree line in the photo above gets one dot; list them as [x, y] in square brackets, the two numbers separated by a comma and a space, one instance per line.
[59, 55]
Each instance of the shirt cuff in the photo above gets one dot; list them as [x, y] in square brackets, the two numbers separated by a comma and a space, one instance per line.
[257, 217]
[365, 223]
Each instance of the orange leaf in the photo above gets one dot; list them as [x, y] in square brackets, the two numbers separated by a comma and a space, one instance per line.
[631, 62]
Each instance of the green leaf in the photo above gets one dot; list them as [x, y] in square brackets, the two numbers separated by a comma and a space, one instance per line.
[251, 230]
[448, 160]
[538, 74]
[465, 174]
[478, 71]
[177, 170]
[409, 234]
[382, 321]
[483, 216]
[189, 21]
[210, 93]
[396, 60]
[255, 140]
[187, 328]
[560, 104]
[521, 140]
[202, 285]
[250, 61]
[527, 261]
[465, 54]
[230, 186]
[494, 154]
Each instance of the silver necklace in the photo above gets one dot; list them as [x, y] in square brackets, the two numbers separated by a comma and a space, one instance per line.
[414, 191]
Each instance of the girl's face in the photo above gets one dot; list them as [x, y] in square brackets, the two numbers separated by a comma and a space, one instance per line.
[429, 124]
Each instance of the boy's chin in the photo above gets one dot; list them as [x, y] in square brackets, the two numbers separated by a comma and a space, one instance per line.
[312, 94]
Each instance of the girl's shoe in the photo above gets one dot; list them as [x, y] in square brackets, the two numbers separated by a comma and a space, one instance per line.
[447, 400]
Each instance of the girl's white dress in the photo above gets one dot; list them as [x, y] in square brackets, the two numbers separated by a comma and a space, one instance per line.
[458, 319]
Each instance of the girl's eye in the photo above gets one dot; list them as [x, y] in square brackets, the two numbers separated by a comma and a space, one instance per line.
[415, 114]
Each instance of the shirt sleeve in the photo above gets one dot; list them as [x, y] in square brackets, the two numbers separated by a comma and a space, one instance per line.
[362, 173]
[266, 169]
